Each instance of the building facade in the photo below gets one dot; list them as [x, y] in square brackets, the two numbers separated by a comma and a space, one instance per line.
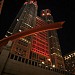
[55, 50]
[25, 19]
[44, 46]
[70, 62]
[34, 47]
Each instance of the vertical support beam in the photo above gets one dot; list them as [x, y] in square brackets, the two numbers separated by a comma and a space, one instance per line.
[3, 59]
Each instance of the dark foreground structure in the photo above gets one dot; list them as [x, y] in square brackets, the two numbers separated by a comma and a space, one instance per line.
[11, 64]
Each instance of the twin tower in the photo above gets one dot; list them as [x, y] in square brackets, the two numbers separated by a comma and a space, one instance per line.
[41, 47]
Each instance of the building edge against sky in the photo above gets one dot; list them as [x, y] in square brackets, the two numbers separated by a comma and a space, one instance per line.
[36, 46]
[1, 5]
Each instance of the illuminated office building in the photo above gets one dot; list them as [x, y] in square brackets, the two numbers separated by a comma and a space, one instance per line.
[55, 50]
[40, 46]
[34, 47]
[25, 19]
[70, 62]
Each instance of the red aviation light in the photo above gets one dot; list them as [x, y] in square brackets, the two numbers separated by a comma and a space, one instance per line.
[26, 3]
[43, 14]
[48, 14]
[32, 1]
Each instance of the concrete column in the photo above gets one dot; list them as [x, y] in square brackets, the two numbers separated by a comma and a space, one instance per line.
[3, 59]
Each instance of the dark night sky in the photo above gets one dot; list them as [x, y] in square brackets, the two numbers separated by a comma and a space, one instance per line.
[62, 10]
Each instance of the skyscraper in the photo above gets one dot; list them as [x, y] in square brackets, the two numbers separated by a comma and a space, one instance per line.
[33, 47]
[25, 19]
[41, 46]
[55, 50]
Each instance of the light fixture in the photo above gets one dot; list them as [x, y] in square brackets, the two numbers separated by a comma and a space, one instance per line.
[46, 66]
[49, 59]
[20, 30]
[53, 65]
[43, 14]
[43, 62]
[48, 14]
[17, 19]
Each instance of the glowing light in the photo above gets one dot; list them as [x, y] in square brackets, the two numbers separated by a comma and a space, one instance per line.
[43, 14]
[53, 65]
[17, 19]
[65, 70]
[31, 1]
[20, 30]
[46, 66]
[51, 48]
[34, 30]
[43, 62]
[49, 59]
[9, 32]
[58, 49]
[69, 55]
[50, 68]
[26, 3]
[48, 14]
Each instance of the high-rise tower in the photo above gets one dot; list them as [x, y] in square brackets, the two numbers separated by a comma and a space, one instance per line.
[25, 19]
[33, 47]
[55, 50]
[40, 46]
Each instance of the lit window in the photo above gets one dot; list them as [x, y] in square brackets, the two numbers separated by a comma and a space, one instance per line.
[51, 48]
[46, 66]
[43, 62]
[50, 68]
[26, 3]
[20, 30]
[69, 55]
[53, 65]
[31, 2]
[65, 70]
[73, 65]
[17, 19]
[58, 49]
[49, 60]
[43, 14]
[6, 36]
[48, 14]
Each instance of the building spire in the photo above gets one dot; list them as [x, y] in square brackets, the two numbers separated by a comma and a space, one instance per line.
[31, 1]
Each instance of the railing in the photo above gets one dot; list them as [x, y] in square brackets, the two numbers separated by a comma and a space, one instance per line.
[37, 64]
